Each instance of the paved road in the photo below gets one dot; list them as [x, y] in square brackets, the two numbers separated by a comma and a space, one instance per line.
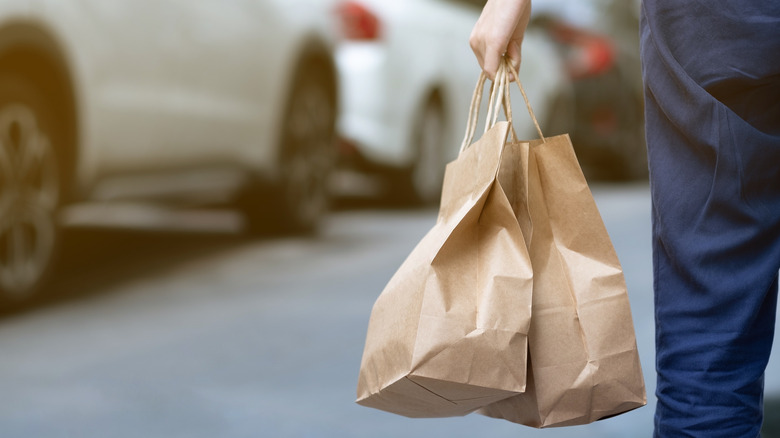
[163, 334]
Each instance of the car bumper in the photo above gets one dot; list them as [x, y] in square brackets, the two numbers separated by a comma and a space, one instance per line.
[365, 120]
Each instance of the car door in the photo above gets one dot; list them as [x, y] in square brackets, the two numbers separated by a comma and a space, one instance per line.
[230, 73]
[177, 86]
[136, 96]
[179, 92]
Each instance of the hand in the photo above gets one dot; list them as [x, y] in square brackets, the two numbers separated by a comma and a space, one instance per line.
[500, 30]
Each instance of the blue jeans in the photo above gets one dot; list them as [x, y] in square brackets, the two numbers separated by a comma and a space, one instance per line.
[712, 104]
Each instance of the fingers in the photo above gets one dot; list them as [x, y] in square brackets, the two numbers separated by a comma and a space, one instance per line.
[489, 55]
[490, 64]
[476, 46]
[488, 50]
[514, 56]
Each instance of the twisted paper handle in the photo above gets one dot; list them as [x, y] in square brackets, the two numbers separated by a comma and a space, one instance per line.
[499, 96]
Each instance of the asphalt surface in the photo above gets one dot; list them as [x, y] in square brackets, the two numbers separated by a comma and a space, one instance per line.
[205, 333]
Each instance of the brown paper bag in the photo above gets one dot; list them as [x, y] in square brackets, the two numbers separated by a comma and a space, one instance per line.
[583, 359]
[448, 334]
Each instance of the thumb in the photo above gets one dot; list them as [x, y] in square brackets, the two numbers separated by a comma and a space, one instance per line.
[514, 55]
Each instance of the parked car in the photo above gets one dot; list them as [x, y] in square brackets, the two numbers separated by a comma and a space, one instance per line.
[407, 75]
[598, 41]
[168, 101]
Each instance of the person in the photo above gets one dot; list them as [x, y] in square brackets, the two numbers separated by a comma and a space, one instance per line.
[711, 72]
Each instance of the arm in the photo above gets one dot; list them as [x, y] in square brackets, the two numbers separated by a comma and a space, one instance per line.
[500, 30]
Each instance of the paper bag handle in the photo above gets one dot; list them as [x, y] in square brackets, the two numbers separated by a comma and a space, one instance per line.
[516, 76]
[476, 102]
[499, 95]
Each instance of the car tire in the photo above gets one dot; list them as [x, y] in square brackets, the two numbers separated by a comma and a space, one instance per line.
[421, 183]
[299, 199]
[617, 153]
[30, 188]
[633, 156]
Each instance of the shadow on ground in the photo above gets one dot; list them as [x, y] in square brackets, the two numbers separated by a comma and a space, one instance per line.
[92, 261]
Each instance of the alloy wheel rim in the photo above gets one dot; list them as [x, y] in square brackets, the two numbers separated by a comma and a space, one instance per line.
[309, 160]
[29, 195]
[427, 173]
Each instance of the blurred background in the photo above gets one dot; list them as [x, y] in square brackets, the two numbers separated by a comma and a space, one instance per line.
[201, 200]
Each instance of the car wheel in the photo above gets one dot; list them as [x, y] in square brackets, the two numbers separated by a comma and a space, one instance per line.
[610, 127]
[29, 188]
[300, 198]
[423, 180]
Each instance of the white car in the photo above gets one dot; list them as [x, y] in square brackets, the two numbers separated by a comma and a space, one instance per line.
[108, 100]
[407, 75]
